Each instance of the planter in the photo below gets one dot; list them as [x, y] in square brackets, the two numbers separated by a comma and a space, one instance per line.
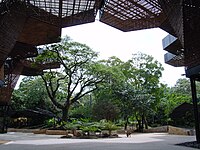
[56, 132]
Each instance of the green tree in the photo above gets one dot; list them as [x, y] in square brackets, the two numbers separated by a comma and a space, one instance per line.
[134, 85]
[107, 96]
[146, 80]
[81, 73]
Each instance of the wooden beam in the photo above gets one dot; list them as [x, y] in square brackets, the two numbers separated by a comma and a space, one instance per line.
[60, 12]
[74, 3]
[111, 7]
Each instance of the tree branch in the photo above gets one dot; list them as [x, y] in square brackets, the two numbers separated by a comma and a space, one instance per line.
[51, 94]
[80, 95]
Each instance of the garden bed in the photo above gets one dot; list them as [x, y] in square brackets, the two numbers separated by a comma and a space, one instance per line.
[90, 136]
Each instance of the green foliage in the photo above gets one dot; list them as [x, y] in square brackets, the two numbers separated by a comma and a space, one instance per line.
[30, 95]
[83, 107]
[108, 125]
[74, 125]
[105, 109]
[17, 102]
[133, 85]
[51, 122]
[91, 127]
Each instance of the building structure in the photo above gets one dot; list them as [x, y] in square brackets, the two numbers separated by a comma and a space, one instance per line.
[25, 24]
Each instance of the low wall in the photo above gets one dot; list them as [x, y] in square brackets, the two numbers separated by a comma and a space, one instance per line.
[21, 130]
[171, 130]
[40, 131]
[180, 131]
[156, 129]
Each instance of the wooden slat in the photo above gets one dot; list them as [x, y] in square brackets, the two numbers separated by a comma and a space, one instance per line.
[192, 33]
[174, 13]
[143, 8]
[81, 18]
[11, 25]
[36, 32]
[129, 15]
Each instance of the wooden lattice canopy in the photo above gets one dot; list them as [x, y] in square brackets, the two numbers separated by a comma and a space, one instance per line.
[25, 24]
[130, 15]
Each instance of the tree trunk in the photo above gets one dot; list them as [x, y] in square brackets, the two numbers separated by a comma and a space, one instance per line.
[145, 122]
[139, 127]
[65, 113]
[126, 123]
[142, 122]
[110, 132]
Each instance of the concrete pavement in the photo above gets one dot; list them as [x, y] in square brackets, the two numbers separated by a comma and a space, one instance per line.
[150, 141]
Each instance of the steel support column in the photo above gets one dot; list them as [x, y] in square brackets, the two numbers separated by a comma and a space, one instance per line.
[195, 105]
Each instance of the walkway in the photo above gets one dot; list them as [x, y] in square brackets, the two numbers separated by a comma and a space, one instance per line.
[150, 141]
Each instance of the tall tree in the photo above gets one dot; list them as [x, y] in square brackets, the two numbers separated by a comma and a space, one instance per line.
[135, 85]
[81, 73]
[141, 90]
[147, 84]
[105, 101]
[115, 89]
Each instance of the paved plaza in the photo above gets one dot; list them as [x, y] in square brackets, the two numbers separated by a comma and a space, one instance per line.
[150, 141]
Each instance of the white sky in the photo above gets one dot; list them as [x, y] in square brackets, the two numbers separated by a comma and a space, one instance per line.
[109, 41]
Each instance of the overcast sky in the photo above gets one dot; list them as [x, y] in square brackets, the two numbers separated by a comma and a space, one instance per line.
[109, 41]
